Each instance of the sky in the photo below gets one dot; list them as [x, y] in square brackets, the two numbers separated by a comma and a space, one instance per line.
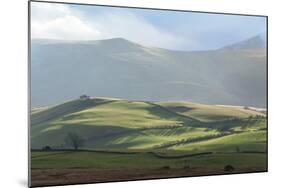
[174, 30]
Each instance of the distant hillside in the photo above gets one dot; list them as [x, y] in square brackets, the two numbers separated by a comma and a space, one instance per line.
[62, 70]
[122, 124]
[256, 42]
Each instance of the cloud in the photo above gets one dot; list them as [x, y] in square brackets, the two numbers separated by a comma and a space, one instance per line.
[57, 21]
[135, 28]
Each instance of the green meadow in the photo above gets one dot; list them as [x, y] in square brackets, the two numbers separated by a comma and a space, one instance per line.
[147, 160]
[123, 134]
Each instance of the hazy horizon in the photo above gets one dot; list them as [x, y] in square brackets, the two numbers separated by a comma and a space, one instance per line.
[183, 50]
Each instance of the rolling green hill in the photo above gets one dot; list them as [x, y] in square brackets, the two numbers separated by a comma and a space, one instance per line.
[137, 139]
[116, 124]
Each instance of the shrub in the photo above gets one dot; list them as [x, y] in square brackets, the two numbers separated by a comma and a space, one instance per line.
[229, 168]
[166, 167]
[46, 148]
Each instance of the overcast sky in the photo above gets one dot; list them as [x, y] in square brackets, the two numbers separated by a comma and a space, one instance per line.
[165, 29]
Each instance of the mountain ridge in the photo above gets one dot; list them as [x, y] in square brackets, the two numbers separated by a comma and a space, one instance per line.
[256, 42]
[230, 77]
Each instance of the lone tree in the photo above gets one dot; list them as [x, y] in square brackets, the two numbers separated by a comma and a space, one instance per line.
[74, 140]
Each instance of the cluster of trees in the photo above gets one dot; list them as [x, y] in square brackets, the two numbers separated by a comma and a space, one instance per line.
[256, 117]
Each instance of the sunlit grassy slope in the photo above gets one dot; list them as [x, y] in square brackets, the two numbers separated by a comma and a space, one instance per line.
[208, 113]
[254, 141]
[115, 124]
[122, 114]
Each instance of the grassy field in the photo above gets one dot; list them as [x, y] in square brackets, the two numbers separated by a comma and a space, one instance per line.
[121, 134]
[148, 160]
